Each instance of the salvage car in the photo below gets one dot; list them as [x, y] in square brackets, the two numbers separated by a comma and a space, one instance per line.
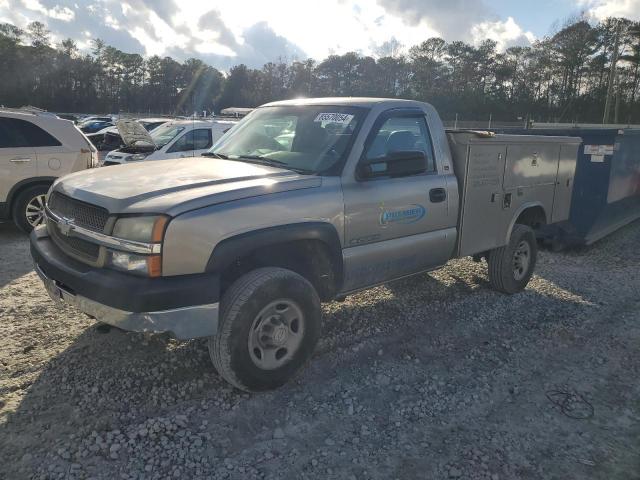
[243, 245]
[109, 138]
[175, 139]
[35, 148]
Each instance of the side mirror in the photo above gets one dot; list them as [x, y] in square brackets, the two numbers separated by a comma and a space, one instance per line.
[394, 164]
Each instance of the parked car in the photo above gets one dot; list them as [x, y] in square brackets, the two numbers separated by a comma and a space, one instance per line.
[35, 149]
[68, 116]
[109, 138]
[92, 118]
[95, 125]
[98, 138]
[243, 249]
[175, 139]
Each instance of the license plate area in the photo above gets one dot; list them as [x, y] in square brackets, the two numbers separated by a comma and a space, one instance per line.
[53, 290]
[56, 292]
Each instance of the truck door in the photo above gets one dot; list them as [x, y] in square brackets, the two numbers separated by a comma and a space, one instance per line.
[564, 183]
[401, 225]
[485, 211]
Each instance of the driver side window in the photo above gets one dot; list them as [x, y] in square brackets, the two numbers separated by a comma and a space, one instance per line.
[402, 134]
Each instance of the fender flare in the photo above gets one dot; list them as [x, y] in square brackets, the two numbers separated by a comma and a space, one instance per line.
[518, 212]
[229, 249]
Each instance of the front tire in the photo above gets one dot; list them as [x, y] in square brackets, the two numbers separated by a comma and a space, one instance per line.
[270, 322]
[28, 207]
[511, 266]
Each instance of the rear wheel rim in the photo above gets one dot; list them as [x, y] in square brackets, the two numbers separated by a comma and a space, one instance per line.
[521, 260]
[34, 212]
[276, 334]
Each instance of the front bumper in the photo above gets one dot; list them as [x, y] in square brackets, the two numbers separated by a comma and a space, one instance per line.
[186, 306]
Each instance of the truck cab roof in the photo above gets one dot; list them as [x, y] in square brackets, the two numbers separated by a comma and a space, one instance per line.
[366, 102]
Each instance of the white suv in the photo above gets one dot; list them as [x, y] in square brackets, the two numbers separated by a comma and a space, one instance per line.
[176, 139]
[36, 148]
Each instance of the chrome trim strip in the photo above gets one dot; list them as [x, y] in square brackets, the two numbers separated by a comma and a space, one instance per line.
[70, 229]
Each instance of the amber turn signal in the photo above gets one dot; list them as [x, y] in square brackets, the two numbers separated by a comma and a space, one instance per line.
[158, 229]
[154, 265]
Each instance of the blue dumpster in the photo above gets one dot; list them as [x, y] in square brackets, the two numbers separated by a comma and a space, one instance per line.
[606, 189]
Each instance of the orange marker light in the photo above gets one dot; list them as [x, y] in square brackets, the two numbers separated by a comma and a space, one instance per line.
[159, 225]
[154, 265]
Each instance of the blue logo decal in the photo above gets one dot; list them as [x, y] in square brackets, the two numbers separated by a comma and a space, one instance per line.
[404, 215]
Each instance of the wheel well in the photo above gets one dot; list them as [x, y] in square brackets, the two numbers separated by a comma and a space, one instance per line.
[533, 217]
[20, 187]
[310, 258]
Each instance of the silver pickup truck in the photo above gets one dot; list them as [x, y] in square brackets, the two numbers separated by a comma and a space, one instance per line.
[301, 202]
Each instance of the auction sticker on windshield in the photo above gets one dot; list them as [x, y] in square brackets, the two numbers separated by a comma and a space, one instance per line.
[343, 118]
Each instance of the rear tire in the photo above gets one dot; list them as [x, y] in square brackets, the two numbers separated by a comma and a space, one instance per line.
[28, 207]
[511, 266]
[270, 321]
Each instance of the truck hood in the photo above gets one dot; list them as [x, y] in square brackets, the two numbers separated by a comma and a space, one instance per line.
[176, 186]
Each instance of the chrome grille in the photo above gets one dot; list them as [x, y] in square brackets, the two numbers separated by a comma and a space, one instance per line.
[83, 214]
[74, 246]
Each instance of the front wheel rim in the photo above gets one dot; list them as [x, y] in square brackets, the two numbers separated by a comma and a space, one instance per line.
[521, 260]
[276, 334]
[34, 212]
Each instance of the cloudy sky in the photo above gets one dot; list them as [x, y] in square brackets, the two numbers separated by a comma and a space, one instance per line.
[229, 32]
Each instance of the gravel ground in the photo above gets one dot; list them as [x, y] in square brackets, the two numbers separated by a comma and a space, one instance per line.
[435, 376]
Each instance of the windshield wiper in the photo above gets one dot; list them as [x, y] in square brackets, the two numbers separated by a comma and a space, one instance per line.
[215, 155]
[272, 162]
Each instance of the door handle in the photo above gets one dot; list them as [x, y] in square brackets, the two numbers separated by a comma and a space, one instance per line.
[20, 160]
[437, 195]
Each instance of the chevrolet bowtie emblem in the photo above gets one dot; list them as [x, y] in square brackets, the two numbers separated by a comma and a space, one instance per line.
[65, 226]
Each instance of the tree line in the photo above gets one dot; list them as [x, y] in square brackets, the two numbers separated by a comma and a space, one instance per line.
[568, 76]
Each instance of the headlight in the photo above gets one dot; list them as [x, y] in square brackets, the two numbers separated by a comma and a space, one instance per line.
[141, 229]
[145, 229]
[136, 157]
[143, 265]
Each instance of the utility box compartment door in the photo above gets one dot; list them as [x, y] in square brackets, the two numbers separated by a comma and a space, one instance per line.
[531, 164]
[481, 222]
[564, 183]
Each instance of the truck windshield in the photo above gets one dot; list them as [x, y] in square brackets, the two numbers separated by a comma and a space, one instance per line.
[308, 138]
[164, 134]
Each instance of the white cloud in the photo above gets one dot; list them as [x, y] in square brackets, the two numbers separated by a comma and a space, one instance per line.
[62, 13]
[225, 33]
[317, 27]
[57, 12]
[111, 22]
[468, 20]
[506, 33]
[601, 9]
